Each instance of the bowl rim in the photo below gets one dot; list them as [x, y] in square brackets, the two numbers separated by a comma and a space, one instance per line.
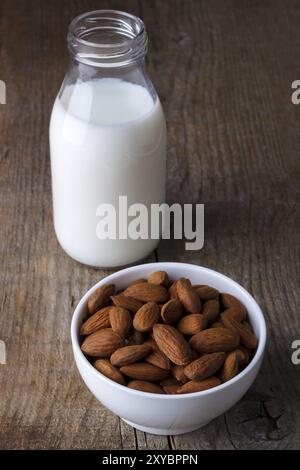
[157, 265]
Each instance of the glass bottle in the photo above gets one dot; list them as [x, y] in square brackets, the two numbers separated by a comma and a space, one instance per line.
[107, 143]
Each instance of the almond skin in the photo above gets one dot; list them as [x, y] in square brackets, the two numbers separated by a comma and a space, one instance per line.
[120, 320]
[145, 371]
[97, 321]
[104, 366]
[146, 317]
[144, 386]
[195, 355]
[246, 353]
[247, 325]
[188, 296]
[100, 297]
[159, 359]
[137, 338]
[146, 292]
[173, 290]
[152, 344]
[159, 277]
[242, 356]
[170, 385]
[228, 301]
[102, 343]
[179, 375]
[129, 354]
[199, 386]
[205, 366]
[215, 340]
[231, 367]
[127, 302]
[170, 389]
[172, 344]
[207, 292]
[236, 313]
[217, 324]
[171, 311]
[210, 310]
[248, 339]
[137, 281]
[192, 324]
[170, 381]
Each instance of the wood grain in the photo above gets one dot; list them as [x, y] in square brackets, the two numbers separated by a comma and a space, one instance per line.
[223, 70]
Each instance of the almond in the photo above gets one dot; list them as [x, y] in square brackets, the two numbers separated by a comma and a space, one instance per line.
[247, 354]
[129, 354]
[242, 356]
[215, 340]
[146, 317]
[195, 355]
[217, 324]
[210, 310]
[247, 325]
[205, 366]
[206, 292]
[145, 371]
[100, 297]
[172, 344]
[97, 321]
[229, 301]
[152, 344]
[170, 385]
[127, 302]
[159, 359]
[173, 290]
[179, 375]
[171, 389]
[199, 385]
[171, 311]
[137, 281]
[188, 296]
[104, 366]
[146, 292]
[144, 386]
[159, 277]
[143, 329]
[236, 313]
[248, 339]
[231, 367]
[120, 320]
[137, 338]
[102, 343]
[192, 324]
[170, 381]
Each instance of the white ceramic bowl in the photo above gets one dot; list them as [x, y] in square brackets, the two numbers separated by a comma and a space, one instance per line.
[170, 414]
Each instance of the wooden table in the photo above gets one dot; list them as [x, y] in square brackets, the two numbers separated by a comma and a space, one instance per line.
[224, 71]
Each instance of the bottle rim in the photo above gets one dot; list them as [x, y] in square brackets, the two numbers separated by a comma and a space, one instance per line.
[107, 38]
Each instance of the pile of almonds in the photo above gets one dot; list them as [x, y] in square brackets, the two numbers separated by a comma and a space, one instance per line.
[165, 336]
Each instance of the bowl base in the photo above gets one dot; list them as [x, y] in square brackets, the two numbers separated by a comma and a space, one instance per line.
[164, 432]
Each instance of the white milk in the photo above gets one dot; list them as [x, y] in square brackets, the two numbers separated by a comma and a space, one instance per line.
[107, 138]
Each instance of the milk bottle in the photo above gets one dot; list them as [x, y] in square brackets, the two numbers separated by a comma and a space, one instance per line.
[107, 137]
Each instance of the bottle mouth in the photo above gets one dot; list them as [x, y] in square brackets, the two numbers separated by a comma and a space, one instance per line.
[107, 38]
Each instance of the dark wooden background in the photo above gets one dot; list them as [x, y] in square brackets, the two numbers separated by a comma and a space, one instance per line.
[223, 69]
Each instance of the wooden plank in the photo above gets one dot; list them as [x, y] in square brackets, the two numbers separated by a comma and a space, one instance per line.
[248, 183]
[223, 70]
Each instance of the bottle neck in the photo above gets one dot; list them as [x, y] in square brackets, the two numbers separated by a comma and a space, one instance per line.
[108, 39]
